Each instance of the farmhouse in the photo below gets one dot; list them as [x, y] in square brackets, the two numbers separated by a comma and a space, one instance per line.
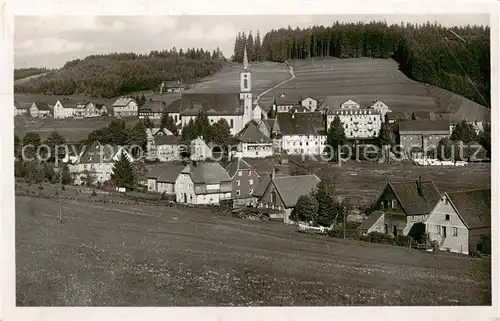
[245, 181]
[171, 86]
[87, 110]
[200, 151]
[358, 123]
[252, 143]
[235, 108]
[64, 111]
[421, 134]
[151, 133]
[152, 110]
[310, 103]
[203, 183]
[400, 206]
[96, 163]
[161, 179]
[102, 109]
[283, 192]
[300, 133]
[125, 107]
[20, 110]
[395, 116]
[174, 111]
[381, 107]
[461, 222]
[40, 109]
[166, 148]
[283, 103]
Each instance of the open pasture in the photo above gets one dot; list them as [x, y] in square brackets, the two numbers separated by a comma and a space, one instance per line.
[363, 181]
[123, 255]
[264, 75]
[364, 80]
[73, 130]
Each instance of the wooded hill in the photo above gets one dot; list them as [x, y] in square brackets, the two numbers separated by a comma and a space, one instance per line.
[28, 72]
[118, 74]
[456, 59]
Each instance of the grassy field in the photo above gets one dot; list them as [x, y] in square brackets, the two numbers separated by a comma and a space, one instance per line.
[364, 80]
[73, 130]
[363, 181]
[153, 256]
[264, 76]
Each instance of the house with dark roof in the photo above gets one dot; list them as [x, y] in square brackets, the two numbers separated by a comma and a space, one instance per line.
[245, 181]
[282, 193]
[253, 143]
[461, 222]
[283, 103]
[87, 109]
[401, 205]
[421, 134]
[171, 86]
[151, 133]
[161, 178]
[202, 183]
[20, 110]
[125, 107]
[40, 109]
[395, 116]
[152, 110]
[174, 110]
[299, 133]
[166, 148]
[96, 162]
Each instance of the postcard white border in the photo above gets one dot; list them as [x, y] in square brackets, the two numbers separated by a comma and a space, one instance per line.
[218, 7]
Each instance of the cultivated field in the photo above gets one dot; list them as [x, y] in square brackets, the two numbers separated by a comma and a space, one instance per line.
[364, 80]
[152, 256]
[264, 75]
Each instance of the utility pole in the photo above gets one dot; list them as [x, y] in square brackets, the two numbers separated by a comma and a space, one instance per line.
[60, 195]
[344, 213]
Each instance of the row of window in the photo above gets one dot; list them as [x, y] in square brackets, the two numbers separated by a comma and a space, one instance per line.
[249, 182]
[250, 192]
[240, 173]
[442, 230]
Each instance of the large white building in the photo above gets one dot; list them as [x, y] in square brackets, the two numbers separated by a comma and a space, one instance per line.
[300, 133]
[235, 108]
[203, 183]
[358, 123]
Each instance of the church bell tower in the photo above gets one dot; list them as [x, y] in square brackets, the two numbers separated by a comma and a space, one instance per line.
[246, 89]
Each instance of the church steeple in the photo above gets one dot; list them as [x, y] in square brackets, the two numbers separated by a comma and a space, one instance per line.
[245, 59]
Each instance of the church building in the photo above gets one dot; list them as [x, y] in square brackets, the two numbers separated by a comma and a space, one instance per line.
[235, 108]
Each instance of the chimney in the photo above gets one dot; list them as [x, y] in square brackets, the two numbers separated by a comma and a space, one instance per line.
[282, 94]
[273, 173]
[419, 186]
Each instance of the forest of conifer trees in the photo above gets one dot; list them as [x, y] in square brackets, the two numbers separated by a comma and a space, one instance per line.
[456, 59]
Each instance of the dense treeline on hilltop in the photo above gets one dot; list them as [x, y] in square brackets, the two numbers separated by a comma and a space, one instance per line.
[121, 73]
[254, 47]
[456, 59]
[28, 72]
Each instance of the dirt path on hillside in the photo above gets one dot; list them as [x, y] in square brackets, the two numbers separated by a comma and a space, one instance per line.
[292, 76]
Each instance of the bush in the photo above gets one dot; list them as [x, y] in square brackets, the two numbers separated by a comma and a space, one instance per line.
[335, 233]
[475, 254]
[403, 240]
[376, 237]
[94, 193]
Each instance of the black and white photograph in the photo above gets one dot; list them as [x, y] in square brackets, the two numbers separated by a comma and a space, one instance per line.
[251, 160]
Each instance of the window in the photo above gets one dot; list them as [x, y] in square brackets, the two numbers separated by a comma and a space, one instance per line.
[455, 231]
[445, 201]
[245, 81]
[237, 192]
[438, 230]
[447, 217]
[413, 218]
[84, 166]
[393, 204]
[250, 192]
[249, 173]
[237, 183]
[382, 205]
[232, 123]
[240, 173]
[250, 182]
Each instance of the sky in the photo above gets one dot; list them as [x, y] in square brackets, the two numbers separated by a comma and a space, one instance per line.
[50, 41]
